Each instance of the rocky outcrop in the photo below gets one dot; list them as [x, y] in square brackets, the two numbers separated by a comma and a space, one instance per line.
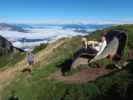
[5, 46]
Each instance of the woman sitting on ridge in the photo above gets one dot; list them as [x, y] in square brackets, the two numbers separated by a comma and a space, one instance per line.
[97, 46]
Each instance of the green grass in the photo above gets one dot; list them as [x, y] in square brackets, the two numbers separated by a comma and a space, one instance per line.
[38, 88]
[39, 48]
[11, 59]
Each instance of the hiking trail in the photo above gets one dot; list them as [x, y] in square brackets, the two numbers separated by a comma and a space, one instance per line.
[9, 74]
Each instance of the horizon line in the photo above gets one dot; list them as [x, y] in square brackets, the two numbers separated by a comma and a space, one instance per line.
[70, 21]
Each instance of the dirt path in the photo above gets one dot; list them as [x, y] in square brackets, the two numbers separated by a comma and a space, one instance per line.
[85, 75]
[7, 75]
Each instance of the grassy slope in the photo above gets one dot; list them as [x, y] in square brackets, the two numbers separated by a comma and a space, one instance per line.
[10, 59]
[113, 86]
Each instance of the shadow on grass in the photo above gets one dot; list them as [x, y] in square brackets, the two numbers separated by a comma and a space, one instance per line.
[65, 66]
[130, 67]
[13, 96]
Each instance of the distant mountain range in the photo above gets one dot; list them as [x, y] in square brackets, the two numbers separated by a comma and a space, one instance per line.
[67, 26]
[11, 27]
[76, 27]
[85, 26]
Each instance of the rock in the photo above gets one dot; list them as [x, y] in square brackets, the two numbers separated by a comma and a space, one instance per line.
[5, 46]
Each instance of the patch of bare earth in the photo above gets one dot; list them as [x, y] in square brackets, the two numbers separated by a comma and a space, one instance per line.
[85, 75]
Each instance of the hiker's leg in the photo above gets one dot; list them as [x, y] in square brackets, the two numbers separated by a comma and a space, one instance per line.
[30, 66]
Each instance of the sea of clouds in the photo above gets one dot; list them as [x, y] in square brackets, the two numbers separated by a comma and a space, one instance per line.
[36, 36]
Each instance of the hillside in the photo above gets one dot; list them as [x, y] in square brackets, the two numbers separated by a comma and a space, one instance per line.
[5, 46]
[8, 52]
[37, 86]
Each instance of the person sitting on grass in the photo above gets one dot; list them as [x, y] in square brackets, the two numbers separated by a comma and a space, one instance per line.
[97, 46]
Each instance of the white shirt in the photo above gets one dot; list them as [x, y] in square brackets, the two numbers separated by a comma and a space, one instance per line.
[101, 46]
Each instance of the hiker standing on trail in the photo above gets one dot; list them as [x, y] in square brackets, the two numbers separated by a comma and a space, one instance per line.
[30, 59]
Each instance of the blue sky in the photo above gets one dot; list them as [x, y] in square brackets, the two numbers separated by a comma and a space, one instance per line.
[38, 10]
